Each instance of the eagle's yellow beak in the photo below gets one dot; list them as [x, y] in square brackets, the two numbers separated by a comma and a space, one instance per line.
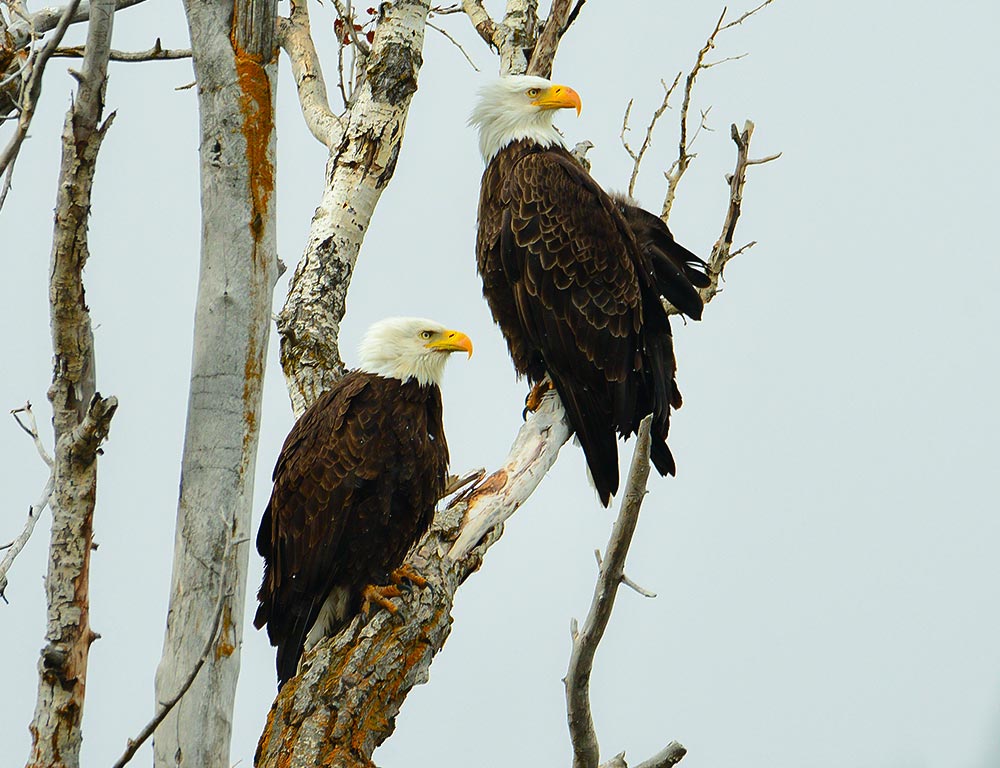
[452, 341]
[558, 97]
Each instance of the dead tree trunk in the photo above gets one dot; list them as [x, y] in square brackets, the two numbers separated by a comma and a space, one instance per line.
[80, 418]
[235, 63]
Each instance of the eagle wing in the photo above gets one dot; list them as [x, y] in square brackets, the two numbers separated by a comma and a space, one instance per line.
[326, 477]
[580, 288]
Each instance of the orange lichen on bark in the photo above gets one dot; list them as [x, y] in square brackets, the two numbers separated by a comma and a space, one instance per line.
[258, 124]
[225, 647]
[489, 486]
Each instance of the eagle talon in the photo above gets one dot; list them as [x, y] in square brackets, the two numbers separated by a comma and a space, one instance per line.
[534, 399]
[380, 595]
[407, 577]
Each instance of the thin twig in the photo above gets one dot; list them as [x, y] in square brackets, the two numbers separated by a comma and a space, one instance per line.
[637, 156]
[36, 509]
[684, 156]
[31, 429]
[15, 547]
[32, 91]
[586, 751]
[456, 44]
[722, 251]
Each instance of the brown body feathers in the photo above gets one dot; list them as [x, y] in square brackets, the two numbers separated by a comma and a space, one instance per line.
[574, 279]
[355, 486]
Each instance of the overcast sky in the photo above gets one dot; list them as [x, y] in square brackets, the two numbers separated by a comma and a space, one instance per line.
[826, 560]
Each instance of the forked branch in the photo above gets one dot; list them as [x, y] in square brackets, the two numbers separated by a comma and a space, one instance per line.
[13, 549]
[586, 750]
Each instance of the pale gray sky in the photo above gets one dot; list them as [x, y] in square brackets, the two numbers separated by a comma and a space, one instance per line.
[825, 560]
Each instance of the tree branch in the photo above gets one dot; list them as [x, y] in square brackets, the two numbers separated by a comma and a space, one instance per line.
[29, 102]
[586, 751]
[35, 510]
[638, 156]
[360, 165]
[295, 39]
[47, 19]
[481, 21]
[684, 156]
[156, 53]
[562, 13]
[80, 416]
[722, 251]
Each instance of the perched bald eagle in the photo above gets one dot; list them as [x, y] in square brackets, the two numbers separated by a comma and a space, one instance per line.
[355, 486]
[574, 277]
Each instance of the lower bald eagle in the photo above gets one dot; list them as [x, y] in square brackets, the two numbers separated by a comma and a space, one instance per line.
[355, 486]
[574, 277]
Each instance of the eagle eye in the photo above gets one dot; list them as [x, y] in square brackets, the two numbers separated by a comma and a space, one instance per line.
[533, 92]
[426, 334]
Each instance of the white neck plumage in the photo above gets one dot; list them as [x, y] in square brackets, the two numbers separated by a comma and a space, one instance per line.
[499, 127]
[426, 370]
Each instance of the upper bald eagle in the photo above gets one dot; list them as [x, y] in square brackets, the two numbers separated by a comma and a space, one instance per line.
[355, 486]
[574, 277]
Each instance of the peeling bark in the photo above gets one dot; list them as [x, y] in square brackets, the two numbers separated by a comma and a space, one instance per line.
[235, 62]
[81, 419]
[360, 165]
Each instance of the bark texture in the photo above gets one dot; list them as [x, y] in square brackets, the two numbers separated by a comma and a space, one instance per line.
[81, 419]
[363, 154]
[235, 64]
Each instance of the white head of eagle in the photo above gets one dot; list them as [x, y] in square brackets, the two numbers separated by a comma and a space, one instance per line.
[410, 348]
[519, 107]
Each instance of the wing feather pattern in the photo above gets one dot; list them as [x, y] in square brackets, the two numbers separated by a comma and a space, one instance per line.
[354, 486]
[578, 298]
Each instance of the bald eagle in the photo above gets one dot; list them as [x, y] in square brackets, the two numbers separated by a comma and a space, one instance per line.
[574, 277]
[355, 486]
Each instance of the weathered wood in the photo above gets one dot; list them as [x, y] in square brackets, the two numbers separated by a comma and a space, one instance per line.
[80, 417]
[235, 63]
[360, 166]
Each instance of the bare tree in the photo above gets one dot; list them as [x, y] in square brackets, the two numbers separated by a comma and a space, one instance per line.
[235, 61]
[343, 704]
[81, 420]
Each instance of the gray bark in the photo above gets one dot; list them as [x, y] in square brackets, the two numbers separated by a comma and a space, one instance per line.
[80, 418]
[235, 63]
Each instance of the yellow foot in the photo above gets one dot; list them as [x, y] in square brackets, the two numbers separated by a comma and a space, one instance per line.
[534, 399]
[407, 574]
[380, 596]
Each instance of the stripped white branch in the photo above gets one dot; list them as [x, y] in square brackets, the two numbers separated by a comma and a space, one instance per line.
[666, 757]
[32, 90]
[295, 38]
[31, 428]
[498, 496]
[14, 548]
[483, 23]
[46, 19]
